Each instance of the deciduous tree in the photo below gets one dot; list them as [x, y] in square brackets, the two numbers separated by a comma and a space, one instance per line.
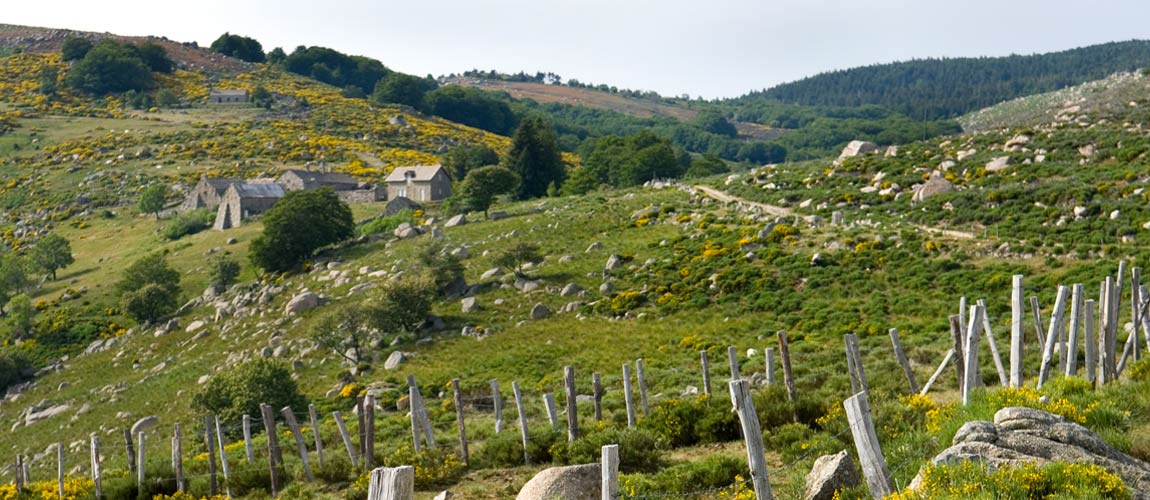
[298, 225]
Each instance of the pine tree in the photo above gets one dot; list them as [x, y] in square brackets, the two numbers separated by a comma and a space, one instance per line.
[535, 157]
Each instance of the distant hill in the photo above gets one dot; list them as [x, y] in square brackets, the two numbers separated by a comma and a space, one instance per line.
[1121, 96]
[947, 88]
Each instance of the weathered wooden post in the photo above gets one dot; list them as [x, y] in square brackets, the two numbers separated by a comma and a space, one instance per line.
[178, 456]
[368, 433]
[597, 387]
[274, 457]
[301, 446]
[627, 395]
[346, 436]
[706, 372]
[549, 405]
[962, 320]
[210, 445]
[248, 439]
[60, 468]
[1002, 378]
[311, 413]
[572, 406]
[19, 473]
[866, 443]
[424, 421]
[902, 361]
[1017, 313]
[522, 420]
[131, 451]
[852, 371]
[753, 434]
[458, 400]
[1089, 340]
[416, 425]
[769, 354]
[971, 358]
[609, 466]
[1052, 335]
[788, 375]
[641, 378]
[141, 463]
[97, 473]
[361, 419]
[959, 349]
[733, 361]
[855, 362]
[1106, 337]
[389, 483]
[224, 458]
[941, 367]
[497, 402]
[1072, 337]
[1037, 313]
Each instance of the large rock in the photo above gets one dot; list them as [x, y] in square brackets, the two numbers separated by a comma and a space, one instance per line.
[305, 301]
[469, 305]
[999, 164]
[829, 474]
[540, 311]
[855, 148]
[645, 213]
[143, 424]
[395, 359]
[406, 231]
[573, 482]
[613, 262]
[936, 185]
[1025, 435]
[570, 290]
[457, 220]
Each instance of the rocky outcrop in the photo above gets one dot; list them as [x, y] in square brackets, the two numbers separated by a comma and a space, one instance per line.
[829, 474]
[936, 185]
[855, 148]
[574, 482]
[1025, 435]
[999, 164]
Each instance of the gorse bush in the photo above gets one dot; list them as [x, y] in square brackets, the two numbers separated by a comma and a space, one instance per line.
[688, 422]
[639, 449]
[188, 223]
[386, 224]
[714, 471]
[968, 479]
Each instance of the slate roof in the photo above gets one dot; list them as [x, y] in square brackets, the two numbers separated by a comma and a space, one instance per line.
[323, 178]
[259, 190]
[422, 173]
[229, 93]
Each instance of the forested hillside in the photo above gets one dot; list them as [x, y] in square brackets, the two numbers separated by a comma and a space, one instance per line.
[946, 88]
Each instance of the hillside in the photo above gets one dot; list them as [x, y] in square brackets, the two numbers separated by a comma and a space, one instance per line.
[1116, 97]
[891, 238]
[947, 88]
[575, 96]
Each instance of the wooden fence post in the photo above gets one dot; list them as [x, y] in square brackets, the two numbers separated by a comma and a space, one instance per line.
[210, 445]
[1072, 337]
[60, 468]
[640, 377]
[1017, 313]
[416, 425]
[733, 361]
[1106, 335]
[1002, 378]
[368, 433]
[522, 420]
[346, 438]
[19, 473]
[389, 483]
[311, 413]
[97, 473]
[1052, 335]
[941, 367]
[609, 466]
[301, 446]
[248, 439]
[597, 387]
[753, 434]
[1037, 322]
[141, 463]
[963, 320]
[178, 456]
[788, 375]
[959, 349]
[458, 400]
[902, 361]
[769, 354]
[131, 451]
[852, 371]
[1136, 307]
[497, 402]
[549, 404]
[1090, 342]
[854, 362]
[223, 458]
[971, 358]
[361, 432]
[866, 443]
[274, 458]
[424, 421]
[572, 407]
[706, 372]
[627, 395]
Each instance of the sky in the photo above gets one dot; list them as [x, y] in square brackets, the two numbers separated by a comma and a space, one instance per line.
[708, 48]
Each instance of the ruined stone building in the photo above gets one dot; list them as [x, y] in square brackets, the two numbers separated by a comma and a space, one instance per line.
[241, 201]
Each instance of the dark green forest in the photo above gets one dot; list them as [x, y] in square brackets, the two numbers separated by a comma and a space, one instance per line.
[945, 88]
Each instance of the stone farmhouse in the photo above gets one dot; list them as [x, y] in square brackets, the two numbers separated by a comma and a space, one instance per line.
[345, 186]
[241, 201]
[207, 193]
[228, 97]
[420, 183]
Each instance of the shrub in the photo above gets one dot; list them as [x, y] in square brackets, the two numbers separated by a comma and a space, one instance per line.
[335, 471]
[150, 303]
[13, 367]
[683, 422]
[223, 271]
[639, 449]
[298, 225]
[387, 224]
[714, 471]
[244, 481]
[961, 480]
[234, 393]
[433, 467]
[506, 450]
[187, 223]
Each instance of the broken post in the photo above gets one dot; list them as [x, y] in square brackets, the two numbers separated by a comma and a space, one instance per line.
[210, 445]
[248, 439]
[275, 460]
[223, 458]
[941, 367]
[301, 446]
[1052, 335]
[769, 354]
[458, 400]
[866, 443]
[971, 358]
[958, 348]
[549, 403]
[609, 465]
[313, 416]
[597, 388]
[733, 360]
[346, 436]
[788, 375]
[640, 377]
[1037, 322]
[522, 420]
[497, 401]
[902, 361]
[1089, 340]
[392, 483]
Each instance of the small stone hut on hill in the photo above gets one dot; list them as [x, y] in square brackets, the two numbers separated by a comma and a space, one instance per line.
[228, 96]
[207, 193]
[419, 183]
[245, 200]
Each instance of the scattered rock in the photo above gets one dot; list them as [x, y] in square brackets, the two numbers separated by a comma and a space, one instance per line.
[1087, 151]
[143, 424]
[999, 164]
[457, 220]
[573, 482]
[470, 305]
[645, 213]
[829, 474]
[855, 148]
[570, 290]
[305, 301]
[497, 215]
[195, 325]
[405, 231]
[593, 247]
[936, 185]
[613, 262]
[607, 288]
[491, 273]
[395, 359]
[540, 311]
[444, 495]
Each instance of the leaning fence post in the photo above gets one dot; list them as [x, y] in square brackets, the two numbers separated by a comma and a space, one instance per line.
[497, 402]
[368, 434]
[971, 358]
[141, 464]
[609, 465]
[941, 367]
[1072, 337]
[248, 439]
[733, 360]
[1052, 334]
[852, 372]
[753, 434]
[706, 372]
[959, 349]
[1090, 340]
[1017, 312]
[311, 413]
[19, 473]
[300, 445]
[458, 400]
[854, 361]
[131, 451]
[522, 420]
[274, 458]
[223, 458]
[627, 396]
[769, 354]
[640, 377]
[97, 476]
[346, 438]
[388, 483]
[866, 443]
[572, 407]
[902, 361]
[1002, 379]
[788, 375]
[413, 405]
[549, 404]
[1037, 322]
